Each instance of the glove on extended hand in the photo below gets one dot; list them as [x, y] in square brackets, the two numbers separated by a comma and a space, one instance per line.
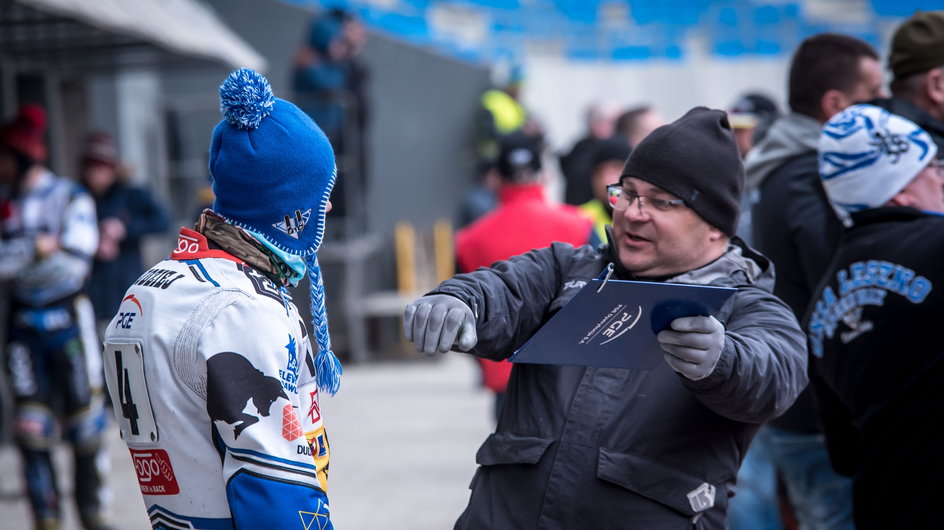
[436, 322]
[693, 345]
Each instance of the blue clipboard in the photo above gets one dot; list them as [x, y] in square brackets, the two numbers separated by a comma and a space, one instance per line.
[613, 323]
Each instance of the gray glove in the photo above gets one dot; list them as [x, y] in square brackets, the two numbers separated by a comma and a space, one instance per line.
[693, 345]
[436, 322]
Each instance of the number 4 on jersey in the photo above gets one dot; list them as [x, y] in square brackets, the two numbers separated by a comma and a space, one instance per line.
[124, 374]
[128, 409]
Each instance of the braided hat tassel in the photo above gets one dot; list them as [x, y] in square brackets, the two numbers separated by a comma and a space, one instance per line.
[327, 365]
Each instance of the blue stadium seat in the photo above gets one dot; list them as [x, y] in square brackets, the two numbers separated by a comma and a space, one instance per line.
[661, 27]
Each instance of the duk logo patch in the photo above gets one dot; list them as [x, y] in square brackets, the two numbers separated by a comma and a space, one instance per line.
[294, 225]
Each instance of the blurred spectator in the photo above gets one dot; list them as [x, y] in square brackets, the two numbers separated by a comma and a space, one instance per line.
[49, 235]
[501, 113]
[524, 220]
[126, 214]
[483, 197]
[875, 353]
[795, 227]
[576, 165]
[636, 123]
[204, 199]
[354, 36]
[330, 78]
[751, 116]
[916, 59]
[608, 158]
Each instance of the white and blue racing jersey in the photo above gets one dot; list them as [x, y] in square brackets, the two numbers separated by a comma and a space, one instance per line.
[52, 206]
[212, 377]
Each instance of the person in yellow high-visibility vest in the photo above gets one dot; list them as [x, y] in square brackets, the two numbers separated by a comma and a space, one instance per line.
[501, 113]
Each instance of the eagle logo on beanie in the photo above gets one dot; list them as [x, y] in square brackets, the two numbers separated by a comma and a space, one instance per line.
[877, 140]
[867, 155]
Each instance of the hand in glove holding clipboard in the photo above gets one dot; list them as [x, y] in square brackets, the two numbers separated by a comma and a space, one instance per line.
[693, 345]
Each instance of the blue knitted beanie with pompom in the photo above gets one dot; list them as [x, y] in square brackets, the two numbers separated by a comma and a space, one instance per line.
[273, 170]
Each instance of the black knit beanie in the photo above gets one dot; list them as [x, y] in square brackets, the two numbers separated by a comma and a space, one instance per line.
[614, 149]
[696, 159]
[918, 44]
[519, 157]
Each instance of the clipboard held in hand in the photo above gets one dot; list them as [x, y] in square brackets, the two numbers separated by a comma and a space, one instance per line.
[613, 323]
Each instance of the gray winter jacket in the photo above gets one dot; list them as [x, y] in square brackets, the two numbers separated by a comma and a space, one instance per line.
[584, 447]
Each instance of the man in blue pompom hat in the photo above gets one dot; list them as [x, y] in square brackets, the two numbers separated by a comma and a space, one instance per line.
[210, 368]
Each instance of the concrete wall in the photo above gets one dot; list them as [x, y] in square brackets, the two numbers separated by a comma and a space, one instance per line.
[421, 132]
[421, 108]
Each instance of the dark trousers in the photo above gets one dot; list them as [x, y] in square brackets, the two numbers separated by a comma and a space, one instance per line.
[56, 386]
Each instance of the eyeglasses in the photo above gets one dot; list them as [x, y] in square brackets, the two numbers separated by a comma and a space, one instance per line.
[621, 199]
[938, 166]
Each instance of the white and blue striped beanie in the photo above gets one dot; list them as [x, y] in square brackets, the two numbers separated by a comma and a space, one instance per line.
[273, 170]
[867, 155]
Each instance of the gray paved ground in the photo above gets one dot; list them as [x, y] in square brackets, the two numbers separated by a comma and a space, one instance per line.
[403, 439]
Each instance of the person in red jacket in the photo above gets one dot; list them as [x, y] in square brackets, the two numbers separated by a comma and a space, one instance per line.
[524, 220]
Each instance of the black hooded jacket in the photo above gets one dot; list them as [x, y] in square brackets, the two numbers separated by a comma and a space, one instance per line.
[877, 365]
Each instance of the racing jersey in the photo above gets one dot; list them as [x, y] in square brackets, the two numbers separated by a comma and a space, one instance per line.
[212, 377]
[52, 206]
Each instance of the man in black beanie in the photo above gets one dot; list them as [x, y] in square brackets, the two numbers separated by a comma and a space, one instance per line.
[581, 446]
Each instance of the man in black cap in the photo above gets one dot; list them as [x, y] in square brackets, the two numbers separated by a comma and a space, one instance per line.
[751, 115]
[916, 59]
[591, 447]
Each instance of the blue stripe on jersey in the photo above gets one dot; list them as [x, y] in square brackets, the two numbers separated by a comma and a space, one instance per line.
[202, 269]
[263, 456]
[164, 519]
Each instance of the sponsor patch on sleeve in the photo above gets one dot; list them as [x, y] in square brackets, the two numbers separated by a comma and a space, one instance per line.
[155, 472]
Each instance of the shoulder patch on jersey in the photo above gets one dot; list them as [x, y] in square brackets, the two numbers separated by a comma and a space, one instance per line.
[260, 283]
